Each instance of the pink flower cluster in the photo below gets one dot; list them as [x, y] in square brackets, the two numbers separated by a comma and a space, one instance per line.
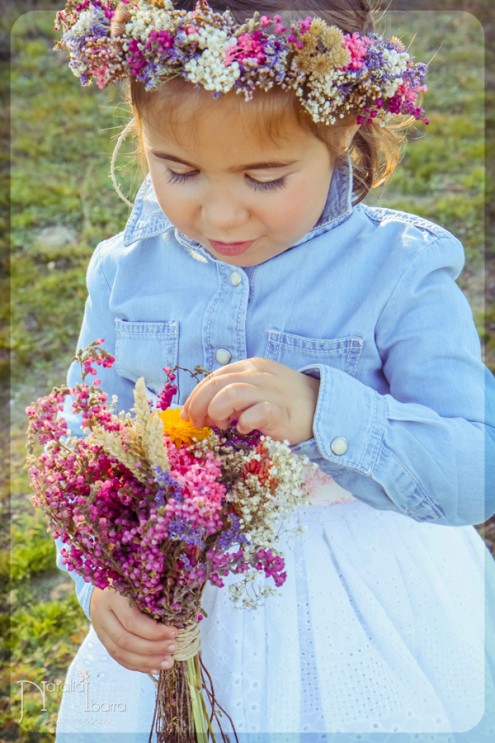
[248, 46]
[278, 26]
[357, 47]
[156, 537]
[272, 565]
[303, 27]
[168, 391]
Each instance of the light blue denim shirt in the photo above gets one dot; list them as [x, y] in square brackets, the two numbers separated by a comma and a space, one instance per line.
[366, 301]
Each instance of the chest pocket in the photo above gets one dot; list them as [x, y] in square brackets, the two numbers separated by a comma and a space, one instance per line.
[298, 351]
[142, 349]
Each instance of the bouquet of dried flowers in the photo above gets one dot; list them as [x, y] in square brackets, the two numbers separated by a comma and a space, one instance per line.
[155, 508]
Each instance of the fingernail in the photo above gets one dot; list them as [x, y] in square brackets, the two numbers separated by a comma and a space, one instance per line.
[172, 648]
[166, 664]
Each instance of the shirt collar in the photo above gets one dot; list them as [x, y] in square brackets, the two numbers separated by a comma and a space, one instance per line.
[147, 219]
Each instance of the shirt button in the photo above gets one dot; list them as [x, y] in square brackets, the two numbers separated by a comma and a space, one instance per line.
[339, 445]
[235, 278]
[223, 356]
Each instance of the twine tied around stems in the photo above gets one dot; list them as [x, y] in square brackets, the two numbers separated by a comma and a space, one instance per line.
[188, 642]
[188, 645]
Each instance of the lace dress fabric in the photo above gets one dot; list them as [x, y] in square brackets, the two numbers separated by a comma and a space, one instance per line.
[379, 629]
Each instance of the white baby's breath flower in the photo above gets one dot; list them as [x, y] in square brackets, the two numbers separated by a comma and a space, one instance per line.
[147, 18]
[82, 26]
[210, 71]
[391, 87]
[395, 62]
[213, 38]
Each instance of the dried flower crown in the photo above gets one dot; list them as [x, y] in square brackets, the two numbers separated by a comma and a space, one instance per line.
[333, 74]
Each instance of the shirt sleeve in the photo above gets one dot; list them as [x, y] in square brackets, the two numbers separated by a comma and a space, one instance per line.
[427, 447]
[83, 590]
[97, 323]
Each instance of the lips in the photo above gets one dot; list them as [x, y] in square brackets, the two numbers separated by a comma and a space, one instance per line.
[230, 249]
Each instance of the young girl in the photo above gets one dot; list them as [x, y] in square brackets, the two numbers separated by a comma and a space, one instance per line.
[336, 326]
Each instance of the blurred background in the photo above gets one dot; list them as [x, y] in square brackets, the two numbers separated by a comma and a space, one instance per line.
[63, 203]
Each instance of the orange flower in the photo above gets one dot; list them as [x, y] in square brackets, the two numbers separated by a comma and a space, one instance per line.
[181, 432]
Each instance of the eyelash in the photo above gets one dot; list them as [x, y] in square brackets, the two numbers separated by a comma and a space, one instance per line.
[268, 185]
[181, 178]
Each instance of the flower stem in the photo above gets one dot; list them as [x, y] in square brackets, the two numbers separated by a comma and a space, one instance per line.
[201, 720]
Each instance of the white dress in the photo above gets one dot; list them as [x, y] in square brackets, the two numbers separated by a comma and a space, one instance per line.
[379, 629]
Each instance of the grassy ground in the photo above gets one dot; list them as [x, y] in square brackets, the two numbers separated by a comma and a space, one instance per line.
[61, 143]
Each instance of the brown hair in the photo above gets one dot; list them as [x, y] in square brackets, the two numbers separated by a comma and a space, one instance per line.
[375, 149]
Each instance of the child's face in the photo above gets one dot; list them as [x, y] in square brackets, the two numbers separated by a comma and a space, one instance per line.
[243, 198]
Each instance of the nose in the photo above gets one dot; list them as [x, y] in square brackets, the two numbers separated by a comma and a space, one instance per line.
[222, 212]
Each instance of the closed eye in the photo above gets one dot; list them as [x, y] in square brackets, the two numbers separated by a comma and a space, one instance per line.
[174, 177]
[266, 185]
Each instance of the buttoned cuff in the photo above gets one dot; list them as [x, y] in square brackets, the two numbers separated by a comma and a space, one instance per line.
[349, 421]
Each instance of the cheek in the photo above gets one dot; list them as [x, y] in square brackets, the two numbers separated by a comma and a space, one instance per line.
[177, 209]
[299, 209]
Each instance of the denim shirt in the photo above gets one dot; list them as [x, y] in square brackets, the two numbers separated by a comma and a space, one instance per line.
[366, 301]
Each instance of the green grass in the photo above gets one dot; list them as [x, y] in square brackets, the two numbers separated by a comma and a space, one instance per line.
[441, 176]
[31, 553]
[44, 636]
[62, 138]
[61, 145]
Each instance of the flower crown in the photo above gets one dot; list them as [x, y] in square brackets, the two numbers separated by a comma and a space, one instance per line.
[333, 74]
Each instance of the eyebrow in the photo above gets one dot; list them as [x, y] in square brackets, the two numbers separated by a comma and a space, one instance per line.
[249, 166]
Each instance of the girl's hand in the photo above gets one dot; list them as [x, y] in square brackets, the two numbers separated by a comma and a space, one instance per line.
[134, 640]
[259, 394]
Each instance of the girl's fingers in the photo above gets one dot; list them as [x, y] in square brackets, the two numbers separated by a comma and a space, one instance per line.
[260, 416]
[210, 385]
[137, 662]
[258, 393]
[221, 400]
[137, 623]
[229, 401]
[134, 652]
[133, 639]
[218, 424]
